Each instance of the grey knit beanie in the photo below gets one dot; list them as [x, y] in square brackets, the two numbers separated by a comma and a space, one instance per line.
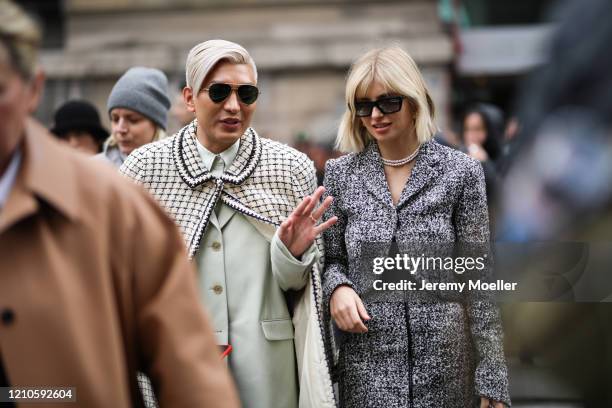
[144, 90]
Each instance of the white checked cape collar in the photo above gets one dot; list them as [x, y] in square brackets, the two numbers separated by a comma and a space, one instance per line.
[266, 181]
[193, 171]
[226, 187]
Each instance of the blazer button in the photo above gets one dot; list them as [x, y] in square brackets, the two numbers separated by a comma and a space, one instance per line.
[218, 289]
[216, 246]
[8, 317]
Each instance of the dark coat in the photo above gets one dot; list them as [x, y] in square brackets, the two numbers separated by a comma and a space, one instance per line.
[433, 354]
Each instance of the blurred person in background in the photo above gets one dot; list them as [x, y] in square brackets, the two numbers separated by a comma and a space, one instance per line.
[559, 188]
[94, 281]
[512, 129]
[78, 124]
[319, 153]
[179, 112]
[248, 210]
[138, 109]
[399, 186]
[481, 133]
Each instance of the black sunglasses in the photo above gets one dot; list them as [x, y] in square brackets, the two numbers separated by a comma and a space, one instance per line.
[388, 104]
[219, 92]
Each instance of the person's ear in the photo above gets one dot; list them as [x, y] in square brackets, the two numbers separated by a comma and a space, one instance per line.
[189, 99]
[36, 87]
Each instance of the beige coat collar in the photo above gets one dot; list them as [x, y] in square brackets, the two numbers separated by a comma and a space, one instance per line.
[40, 180]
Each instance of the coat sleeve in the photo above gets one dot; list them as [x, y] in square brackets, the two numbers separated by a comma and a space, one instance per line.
[177, 348]
[472, 226]
[290, 273]
[335, 269]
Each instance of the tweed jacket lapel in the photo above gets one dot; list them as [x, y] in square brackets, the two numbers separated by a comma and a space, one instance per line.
[373, 174]
[425, 169]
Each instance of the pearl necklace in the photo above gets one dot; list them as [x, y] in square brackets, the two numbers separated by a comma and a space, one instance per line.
[401, 162]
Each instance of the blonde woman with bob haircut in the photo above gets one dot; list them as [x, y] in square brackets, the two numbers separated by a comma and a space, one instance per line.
[400, 186]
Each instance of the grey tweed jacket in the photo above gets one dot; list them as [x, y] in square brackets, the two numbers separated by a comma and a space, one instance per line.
[442, 354]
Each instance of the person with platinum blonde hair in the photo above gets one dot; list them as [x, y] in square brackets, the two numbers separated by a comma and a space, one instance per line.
[400, 187]
[203, 57]
[397, 72]
[248, 209]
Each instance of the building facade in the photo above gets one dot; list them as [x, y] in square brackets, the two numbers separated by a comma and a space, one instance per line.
[302, 48]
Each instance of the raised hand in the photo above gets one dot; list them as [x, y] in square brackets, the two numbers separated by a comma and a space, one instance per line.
[300, 229]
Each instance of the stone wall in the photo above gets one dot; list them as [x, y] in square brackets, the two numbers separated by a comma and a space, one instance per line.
[302, 49]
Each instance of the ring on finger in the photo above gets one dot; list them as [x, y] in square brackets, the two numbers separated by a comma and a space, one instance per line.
[313, 219]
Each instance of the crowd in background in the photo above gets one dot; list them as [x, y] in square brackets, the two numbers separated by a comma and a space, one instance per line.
[547, 166]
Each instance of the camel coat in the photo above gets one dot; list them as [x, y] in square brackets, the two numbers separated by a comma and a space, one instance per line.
[96, 282]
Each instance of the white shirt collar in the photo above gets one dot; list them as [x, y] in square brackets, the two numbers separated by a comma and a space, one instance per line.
[8, 178]
[228, 155]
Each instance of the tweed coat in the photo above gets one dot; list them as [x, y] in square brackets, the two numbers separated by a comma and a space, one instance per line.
[265, 182]
[414, 354]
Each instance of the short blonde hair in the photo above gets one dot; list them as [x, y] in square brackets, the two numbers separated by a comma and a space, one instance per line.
[19, 39]
[203, 57]
[396, 71]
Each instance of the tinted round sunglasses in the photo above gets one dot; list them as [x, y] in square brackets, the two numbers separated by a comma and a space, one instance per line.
[387, 104]
[219, 92]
